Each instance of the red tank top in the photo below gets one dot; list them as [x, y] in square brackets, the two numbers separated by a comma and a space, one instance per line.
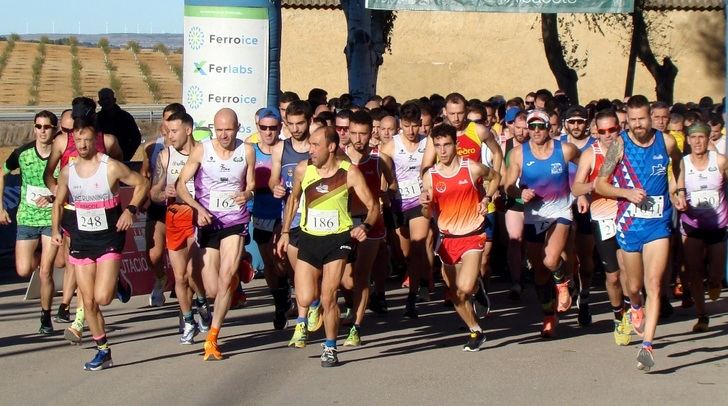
[71, 153]
[372, 177]
[455, 201]
[601, 207]
[468, 143]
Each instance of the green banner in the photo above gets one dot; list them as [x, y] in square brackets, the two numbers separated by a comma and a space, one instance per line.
[507, 6]
[226, 12]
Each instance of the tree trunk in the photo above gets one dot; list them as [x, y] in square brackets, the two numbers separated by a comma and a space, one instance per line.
[566, 78]
[664, 74]
[361, 59]
[274, 53]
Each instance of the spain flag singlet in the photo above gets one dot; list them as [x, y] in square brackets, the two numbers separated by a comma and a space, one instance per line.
[455, 200]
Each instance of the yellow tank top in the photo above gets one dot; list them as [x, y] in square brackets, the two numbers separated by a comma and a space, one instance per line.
[325, 202]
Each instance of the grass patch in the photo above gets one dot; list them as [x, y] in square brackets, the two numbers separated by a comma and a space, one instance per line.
[7, 51]
[36, 70]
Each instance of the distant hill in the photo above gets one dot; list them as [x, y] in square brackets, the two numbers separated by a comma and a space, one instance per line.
[171, 41]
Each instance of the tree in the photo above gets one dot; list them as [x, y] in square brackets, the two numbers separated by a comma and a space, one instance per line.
[368, 37]
[566, 77]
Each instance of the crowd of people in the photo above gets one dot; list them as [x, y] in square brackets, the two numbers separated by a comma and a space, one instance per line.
[339, 197]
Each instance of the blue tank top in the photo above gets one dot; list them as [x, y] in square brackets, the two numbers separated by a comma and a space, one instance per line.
[549, 178]
[289, 159]
[643, 168]
[265, 206]
[572, 166]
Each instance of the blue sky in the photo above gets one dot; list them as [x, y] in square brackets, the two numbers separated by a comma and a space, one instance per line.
[94, 16]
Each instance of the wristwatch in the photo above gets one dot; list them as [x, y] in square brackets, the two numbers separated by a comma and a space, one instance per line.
[132, 209]
[367, 226]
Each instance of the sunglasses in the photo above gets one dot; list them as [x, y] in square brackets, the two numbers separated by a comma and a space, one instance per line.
[610, 130]
[538, 126]
[44, 126]
[342, 128]
[576, 121]
[268, 127]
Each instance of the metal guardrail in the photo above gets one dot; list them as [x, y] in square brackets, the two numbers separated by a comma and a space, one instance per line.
[25, 113]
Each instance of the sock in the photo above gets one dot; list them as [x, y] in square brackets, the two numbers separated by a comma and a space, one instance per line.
[627, 302]
[646, 344]
[300, 319]
[79, 315]
[559, 274]
[545, 297]
[618, 312]
[315, 303]
[584, 295]
[201, 301]
[280, 298]
[357, 328]
[635, 307]
[101, 342]
[188, 317]
[330, 343]
[45, 316]
[212, 334]
[476, 329]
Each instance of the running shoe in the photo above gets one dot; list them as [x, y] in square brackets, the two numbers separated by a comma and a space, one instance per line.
[481, 302]
[563, 297]
[377, 303]
[702, 324]
[205, 317]
[638, 320]
[353, 340]
[328, 357]
[189, 333]
[677, 291]
[102, 360]
[212, 353]
[300, 336]
[347, 316]
[64, 314]
[423, 294]
[410, 309]
[627, 323]
[315, 321]
[645, 359]
[585, 317]
[246, 271]
[549, 326]
[514, 293]
[687, 301]
[156, 298]
[45, 329]
[405, 282]
[620, 338]
[123, 291]
[475, 340]
[714, 292]
[72, 335]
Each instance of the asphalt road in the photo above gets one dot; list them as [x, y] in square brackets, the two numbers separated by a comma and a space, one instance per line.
[401, 362]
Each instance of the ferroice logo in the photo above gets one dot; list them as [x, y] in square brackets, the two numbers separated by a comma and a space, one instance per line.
[194, 97]
[200, 67]
[196, 38]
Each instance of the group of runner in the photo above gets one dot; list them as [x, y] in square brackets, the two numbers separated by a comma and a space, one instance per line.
[337, 201]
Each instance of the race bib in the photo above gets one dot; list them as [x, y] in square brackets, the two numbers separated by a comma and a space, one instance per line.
[704, 199]
[651, 208]
[607, 229]
[264, 224]
[223, 201]
[91, 219]
[410, 189]
[34, 192]
[325, 221]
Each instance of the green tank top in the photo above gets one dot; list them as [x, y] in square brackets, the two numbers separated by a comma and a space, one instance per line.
[32, 166]
[325, 202]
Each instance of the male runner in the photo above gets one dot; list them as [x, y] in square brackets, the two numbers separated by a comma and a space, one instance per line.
[91, 182]
[452, 194]
[34, 212]
[638, 162]
[223, 170]
[540, 168]
[328, 236]
[180, 227]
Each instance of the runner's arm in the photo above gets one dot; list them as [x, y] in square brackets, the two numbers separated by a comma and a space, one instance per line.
[120, 172]
[293, 199]
[356, 181]
[146, 163]
[157, 192]
[388, 172]
[513, 172]
[603, 184]
[429, 157]
[53, 159]
[680, 195]
[275, 165]
[248, 193]
[675, 156]
[57, 210]
[487, 138]
[188, 172]
[4, 217]
[112, 147]
[426, 196]
[581, 186]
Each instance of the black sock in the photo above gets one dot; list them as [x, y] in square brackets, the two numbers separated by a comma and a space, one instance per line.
[618, 311]
[280, 298]
[627, 302]
[545, 295]
[45, 316]
[559, 274]
[424, 283]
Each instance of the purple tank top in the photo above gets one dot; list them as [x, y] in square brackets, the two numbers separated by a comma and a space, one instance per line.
[707, 208]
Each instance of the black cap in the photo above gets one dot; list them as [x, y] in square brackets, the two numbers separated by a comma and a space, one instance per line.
[83, 107]
[576, 112]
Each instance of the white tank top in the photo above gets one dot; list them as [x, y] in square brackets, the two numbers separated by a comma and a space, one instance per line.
[407, 171]
[93, 198]
[177, 160]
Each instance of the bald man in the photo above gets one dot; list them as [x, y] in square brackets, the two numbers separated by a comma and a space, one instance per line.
[224, 175]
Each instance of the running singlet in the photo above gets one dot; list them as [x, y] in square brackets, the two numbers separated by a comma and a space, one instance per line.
[507, 159]
[289, 159]
[266, 208]
[455, 202]
[707, 208]
[643, 168]
[549, 178]
[601, 208]
[216, 183]
[325, 202]
[71, 153]
[372, 176]
[31, 165]
[97, 207]
[177, 161]
[157, 147]
[572, 166]
[407, 171]
[469, 144]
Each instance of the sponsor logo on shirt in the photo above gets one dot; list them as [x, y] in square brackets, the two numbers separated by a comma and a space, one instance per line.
[556, 168]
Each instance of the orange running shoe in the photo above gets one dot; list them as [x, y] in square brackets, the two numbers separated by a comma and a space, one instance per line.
[405, 282]
[212, 353]
[549, 326]
[677, 291]
[245, 271]
[563, 297]
[638, 320]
